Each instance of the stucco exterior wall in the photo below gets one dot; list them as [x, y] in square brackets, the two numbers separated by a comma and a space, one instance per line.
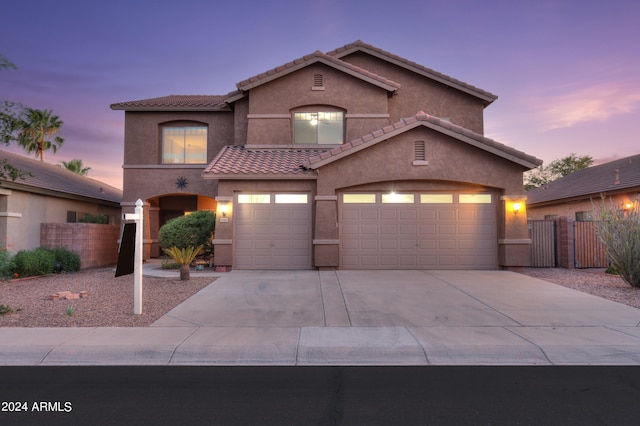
[144, 174]
[280, 97]
[421, 94]
[453, 165]
[146, 183]
[449, 160]
[20, 227]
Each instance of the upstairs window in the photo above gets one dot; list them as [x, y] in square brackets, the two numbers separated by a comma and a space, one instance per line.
[184, 145]
[318, 127]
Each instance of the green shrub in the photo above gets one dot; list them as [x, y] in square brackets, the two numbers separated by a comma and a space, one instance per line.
[95, 218]
[6, 264]
[69, 260]
[34, 262]
[191, 230]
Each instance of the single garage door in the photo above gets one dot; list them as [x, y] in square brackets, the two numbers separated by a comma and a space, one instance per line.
[418, 231]
[272, 231]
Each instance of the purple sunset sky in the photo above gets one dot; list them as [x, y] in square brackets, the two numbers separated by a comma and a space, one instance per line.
[567, 73]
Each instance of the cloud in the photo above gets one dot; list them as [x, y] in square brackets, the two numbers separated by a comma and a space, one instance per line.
[597, 102]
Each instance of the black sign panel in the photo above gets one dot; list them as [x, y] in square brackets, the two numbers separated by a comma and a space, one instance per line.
[126, 255]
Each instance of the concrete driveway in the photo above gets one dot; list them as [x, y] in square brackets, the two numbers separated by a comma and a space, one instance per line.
[406, 317]
[356, 318]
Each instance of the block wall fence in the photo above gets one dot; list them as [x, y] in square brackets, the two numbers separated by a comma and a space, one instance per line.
[96, 244]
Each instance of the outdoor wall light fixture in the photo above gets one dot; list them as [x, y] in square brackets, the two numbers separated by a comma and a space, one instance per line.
[628, 205]
[223, 209]
[516, 207]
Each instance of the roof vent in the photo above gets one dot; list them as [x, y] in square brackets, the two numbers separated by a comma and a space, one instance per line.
[318, 82]
[419, 155]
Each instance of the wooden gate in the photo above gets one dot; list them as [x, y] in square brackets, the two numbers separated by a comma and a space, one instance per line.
[543, 243]
[589, 250]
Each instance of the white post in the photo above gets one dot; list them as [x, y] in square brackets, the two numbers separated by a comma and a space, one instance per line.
[137, 260]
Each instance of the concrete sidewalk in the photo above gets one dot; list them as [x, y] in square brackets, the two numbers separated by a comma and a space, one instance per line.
[356, 318]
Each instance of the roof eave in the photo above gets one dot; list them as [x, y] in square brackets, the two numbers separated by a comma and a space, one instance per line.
[486, 97]
[310, 61]
[117, 107]
[471, 141]
[260, 176]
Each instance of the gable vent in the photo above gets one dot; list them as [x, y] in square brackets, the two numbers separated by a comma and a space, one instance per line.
[419, 151]
[318, 80]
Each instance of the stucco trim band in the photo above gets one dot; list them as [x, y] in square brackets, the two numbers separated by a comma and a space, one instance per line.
[326, 198]
[10, 214]
[515, 241]
[326, 242]
[222, 242]
[275, 116]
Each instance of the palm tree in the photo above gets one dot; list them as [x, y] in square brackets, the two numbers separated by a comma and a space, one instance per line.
[38, 131]
[75, 166]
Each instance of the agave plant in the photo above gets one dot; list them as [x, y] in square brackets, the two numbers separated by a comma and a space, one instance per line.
[183, 257]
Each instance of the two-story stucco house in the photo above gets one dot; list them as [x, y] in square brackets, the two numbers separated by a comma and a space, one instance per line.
[353, 159]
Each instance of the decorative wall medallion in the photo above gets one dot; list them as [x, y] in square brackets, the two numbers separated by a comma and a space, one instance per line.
[182, 183]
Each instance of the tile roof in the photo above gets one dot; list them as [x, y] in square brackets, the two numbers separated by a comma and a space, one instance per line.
[242, 162]
[176, 102]
[46, 176]
[618, 175]
[315, 57]
[359, 45]
[435, 123]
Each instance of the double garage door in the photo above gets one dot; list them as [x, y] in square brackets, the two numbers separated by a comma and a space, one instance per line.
[273, 231]
[418, 230]
[377, 231]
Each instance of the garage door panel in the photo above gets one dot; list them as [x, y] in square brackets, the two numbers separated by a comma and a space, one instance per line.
[369, 244]
[368, 229]
[407, 229]
[387, 244]
[427, 234]
[447, 214]
[408, 214]
[272, 236]
[428, 244]
[388, 229]
[367, 214]
[388, 214]
[444, 229]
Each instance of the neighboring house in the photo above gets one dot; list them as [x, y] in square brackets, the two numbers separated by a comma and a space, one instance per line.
[354, 159]
[52, 194]
[579, 195]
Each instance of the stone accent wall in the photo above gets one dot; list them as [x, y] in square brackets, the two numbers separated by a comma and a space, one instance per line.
[96, 244]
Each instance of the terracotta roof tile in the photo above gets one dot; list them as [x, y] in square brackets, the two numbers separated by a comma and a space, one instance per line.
[360, 45]
[179, 102]
[56, 178]
[239, 160]
[437, 124]
[618, 175]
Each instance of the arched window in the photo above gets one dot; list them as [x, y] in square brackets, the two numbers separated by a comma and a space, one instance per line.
[321, 125]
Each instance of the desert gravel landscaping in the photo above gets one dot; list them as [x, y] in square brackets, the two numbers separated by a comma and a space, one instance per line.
[110, 300]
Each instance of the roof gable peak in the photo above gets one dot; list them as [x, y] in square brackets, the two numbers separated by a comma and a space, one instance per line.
[313, 58]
